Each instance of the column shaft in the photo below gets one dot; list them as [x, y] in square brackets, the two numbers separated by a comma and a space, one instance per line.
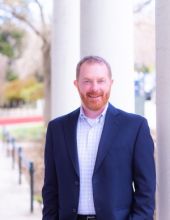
[106, 30]
[163, 108]
[65, 55]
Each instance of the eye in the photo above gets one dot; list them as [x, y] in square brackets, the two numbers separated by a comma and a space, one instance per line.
[100, 81]
[86, 81]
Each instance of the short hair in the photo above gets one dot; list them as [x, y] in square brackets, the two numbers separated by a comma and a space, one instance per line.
[91, 60]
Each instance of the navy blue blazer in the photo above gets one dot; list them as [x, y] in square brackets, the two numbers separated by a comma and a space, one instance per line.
[124, 174]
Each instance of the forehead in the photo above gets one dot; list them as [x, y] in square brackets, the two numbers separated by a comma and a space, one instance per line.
[93, 69]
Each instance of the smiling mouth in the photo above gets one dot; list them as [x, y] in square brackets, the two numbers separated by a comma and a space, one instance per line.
[94, 97]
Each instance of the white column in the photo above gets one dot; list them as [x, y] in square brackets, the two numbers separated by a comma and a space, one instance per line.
[65, 55]
[163, 108]
[107, 31]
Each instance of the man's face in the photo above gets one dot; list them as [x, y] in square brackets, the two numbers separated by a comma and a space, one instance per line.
[94, 85]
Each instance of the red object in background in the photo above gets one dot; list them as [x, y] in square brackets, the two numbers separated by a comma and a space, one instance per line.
[6, 121]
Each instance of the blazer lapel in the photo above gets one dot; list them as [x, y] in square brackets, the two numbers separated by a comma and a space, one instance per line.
[109, 133]
[70, 127]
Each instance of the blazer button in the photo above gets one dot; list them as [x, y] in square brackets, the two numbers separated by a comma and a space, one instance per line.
[74, 210]
[76, 183]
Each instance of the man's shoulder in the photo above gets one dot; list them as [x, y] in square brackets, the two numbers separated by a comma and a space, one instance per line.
[65, 117]
[124, 115]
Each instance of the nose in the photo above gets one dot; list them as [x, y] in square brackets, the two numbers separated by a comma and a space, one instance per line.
[95, 86]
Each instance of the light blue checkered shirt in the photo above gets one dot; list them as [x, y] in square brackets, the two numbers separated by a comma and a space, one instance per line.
[88, 136]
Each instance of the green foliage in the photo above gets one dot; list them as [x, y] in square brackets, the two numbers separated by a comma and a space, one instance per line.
[27, 90]
[142, 68]
[13, 90]
[11, 75]
[145, 69]
[1, 136]
[31, 133]
[10, 40]
[32, 93]
[38, 198]
[5, 47]
[24, 133]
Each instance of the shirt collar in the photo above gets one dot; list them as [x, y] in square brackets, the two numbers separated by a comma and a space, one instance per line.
[100, 118]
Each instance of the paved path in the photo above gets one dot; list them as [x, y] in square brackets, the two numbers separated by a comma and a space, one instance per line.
[14, 198]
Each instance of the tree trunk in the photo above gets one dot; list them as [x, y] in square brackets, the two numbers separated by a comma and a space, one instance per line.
[47, 81]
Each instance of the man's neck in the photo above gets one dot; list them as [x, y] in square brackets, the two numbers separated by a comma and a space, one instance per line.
[93, 114]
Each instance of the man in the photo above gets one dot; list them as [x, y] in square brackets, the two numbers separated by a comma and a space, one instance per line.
[99, 160]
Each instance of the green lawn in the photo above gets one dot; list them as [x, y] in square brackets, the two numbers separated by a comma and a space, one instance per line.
[26, 132]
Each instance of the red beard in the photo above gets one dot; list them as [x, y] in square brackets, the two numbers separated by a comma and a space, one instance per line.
[95, 100]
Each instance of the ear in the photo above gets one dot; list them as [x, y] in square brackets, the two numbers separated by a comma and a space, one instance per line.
[75, 83]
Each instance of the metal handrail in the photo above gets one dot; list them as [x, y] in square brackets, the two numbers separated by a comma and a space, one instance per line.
[17, 152]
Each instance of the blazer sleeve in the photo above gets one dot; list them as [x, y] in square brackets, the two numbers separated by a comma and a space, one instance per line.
[50, 187]
[144, 175]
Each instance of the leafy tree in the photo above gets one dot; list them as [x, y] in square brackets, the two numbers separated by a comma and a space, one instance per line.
[10, 40]
[11, 75]
[32, 90]
[27, 90]
[12, 91]
[18, 12]
[5, 47]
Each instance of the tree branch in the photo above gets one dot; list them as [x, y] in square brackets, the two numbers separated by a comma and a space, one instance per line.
[41, 11]
[139, 7]
[11, 11]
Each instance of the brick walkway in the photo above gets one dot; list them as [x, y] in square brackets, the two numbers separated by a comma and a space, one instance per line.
[14, 198]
